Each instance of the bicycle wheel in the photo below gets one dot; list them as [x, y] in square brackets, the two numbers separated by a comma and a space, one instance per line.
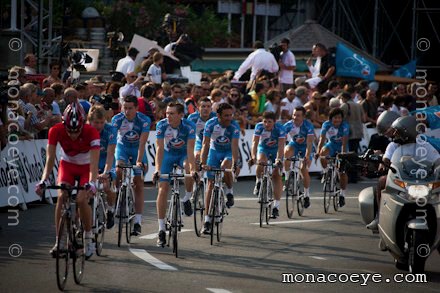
[219, 220]
[300, 200]
[62, 256]
[336, 192]
[130, 217]
[214, 202]
[198, 201]
[79, 257]
[327, 191]
[290, 196]
[121, 212]
[175, 226]
[101, 220]
[270, 203]
[263, 200]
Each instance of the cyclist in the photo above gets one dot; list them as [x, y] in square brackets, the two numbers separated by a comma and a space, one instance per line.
[220, 144]
[199, 119]
[335, 130]
[79, 159]
[133, 129]
[175, 138]
[268, 142]
[108, 133]
[302, 134]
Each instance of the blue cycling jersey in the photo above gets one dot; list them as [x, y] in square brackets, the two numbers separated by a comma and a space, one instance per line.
[200, 126]
[108, 137]
[334, 135]
[269, 138]
[298, 134]
[221, 137]
[129, 132]
[176, 139]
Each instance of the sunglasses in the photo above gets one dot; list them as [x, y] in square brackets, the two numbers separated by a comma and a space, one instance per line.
[234, 95]
[73, 131]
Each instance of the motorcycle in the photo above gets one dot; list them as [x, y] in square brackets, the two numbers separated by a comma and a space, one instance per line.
[409, 214]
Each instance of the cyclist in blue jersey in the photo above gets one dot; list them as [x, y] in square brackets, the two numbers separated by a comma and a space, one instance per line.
[175, 138]
[220, 149]
[335, 131]
[199, 119]
[133, 130]
[106, 166]
[268, 142]
[302, 134]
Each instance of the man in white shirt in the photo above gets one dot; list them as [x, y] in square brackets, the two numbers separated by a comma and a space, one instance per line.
[258, 60]
[287, 106]
[30, 62]
[126, 64]
[287, 65]
[132, 87]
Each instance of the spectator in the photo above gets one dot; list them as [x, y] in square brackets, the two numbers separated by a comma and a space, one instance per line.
[324, 108]
[386, 104]
[49, 99]
[287, 105]
[58, 89]
[324, 67]
[176, 95]
[155, 73]
[144, 102]
[234, 98]
[216, 99]
[287, 64]
[258, 100]
[113, 89]
[166, 89]
[132, 87]
[312, 109]
[400, 89]
[39, 122]
[30, 64]
[191, 102]
[273, 102]
[399, 105]
[333, 89]
[432, 94]
[301, 97]
[18, 73]
[54, 75]
[369, 106]
[258, 60]
[83, 93]
[355, 117]
[126, 64]
[206, 87]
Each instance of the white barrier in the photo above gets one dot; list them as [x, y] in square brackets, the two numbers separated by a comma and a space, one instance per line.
[22, 165]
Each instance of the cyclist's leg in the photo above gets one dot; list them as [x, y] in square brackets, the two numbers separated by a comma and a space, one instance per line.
[85, 210]
[227, 164]
[121, 157]
[289, 150]
[305, 173]
[261, 158]
[189, 183]
[138, 181]
[325, 151]
[161, 205]
[214, 162]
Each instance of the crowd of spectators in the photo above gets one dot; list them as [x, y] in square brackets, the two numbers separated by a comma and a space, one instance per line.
[33, 107]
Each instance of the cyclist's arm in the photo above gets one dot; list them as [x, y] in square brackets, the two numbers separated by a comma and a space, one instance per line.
[190, 154]
[159, 153]
[110, 157]
[344, 144]
[142, 142]
[321, 143]
[309, 142]
[281, 144]
[50, 161]
[205, 149]
[94, 162]
[255, 141]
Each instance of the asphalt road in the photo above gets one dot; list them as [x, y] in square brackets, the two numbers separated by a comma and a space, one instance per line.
[248, 259]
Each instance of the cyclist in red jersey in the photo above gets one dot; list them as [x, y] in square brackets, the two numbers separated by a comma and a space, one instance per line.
[80, 144]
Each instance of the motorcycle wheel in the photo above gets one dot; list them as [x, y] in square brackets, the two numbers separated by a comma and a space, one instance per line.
[418, 251]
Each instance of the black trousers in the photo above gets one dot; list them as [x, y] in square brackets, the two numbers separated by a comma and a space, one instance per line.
[353, 146]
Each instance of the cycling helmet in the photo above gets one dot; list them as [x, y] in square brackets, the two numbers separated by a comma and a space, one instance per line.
[405, 128]
[73, 117]
[385, 120]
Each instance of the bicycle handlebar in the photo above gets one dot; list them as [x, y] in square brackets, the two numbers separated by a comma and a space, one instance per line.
[166, 176]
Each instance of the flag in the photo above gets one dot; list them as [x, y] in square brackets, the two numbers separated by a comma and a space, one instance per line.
[349, 63]
[408, 70]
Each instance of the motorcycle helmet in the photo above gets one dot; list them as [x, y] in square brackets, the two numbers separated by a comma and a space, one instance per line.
[405, 130]
[385, 120]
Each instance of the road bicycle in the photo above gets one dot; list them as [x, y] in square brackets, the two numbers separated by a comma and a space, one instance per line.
[174, 214]
[265, 193]
[125, 203]
[331, 186]
[70, 243]
[294, 187]
[217, 205]
[99, 217]
[198, 199]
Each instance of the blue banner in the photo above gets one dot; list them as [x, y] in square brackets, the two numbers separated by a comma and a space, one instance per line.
[349, 63]
[408, 70]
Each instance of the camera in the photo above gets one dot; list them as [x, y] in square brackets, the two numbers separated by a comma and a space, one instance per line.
[275, 49]
[107, 101]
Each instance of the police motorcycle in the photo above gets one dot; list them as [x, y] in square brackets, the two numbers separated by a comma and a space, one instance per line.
[409, 213]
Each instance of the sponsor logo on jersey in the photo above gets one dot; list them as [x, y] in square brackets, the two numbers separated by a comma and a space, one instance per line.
[270, 142]
[176, 143]
[222, 140]
[131, 136]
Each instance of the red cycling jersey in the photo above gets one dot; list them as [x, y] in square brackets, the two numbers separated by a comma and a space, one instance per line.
[75, 151]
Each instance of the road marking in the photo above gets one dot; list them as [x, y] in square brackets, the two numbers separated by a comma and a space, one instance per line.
[318, 257]
[299, 221]
[144, 255]
[217, 290]
[154, 235]
[256, 199]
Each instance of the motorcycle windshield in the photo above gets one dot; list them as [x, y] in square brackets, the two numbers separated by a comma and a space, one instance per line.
[412, 170]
